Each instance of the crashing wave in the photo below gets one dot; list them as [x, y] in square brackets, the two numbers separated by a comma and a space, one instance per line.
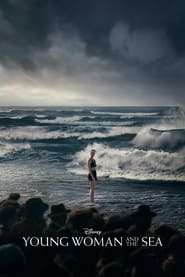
[132, 163]
[7, 148]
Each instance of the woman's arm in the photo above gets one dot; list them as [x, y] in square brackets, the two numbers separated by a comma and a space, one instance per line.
[90, 169]
[89, 166]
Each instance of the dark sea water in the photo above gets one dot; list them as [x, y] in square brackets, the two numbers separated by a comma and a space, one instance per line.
[140, 157]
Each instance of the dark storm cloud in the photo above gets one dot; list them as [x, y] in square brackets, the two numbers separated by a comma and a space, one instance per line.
[27, 23]
[131, 47]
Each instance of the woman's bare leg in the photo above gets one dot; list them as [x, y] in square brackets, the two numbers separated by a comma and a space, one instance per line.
[92, 187]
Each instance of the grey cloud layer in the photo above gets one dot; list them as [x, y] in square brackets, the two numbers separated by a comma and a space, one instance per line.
[146, 45]
[102, 53]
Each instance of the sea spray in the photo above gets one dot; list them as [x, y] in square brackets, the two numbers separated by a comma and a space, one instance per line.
[132, 163]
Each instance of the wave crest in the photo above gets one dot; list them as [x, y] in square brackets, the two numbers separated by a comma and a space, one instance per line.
[154, 138]
[131, 163]
[7, 148]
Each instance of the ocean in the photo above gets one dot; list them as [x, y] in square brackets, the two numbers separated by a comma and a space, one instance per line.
[140, 157]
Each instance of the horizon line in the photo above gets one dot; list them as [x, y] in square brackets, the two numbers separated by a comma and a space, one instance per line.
[85, 106]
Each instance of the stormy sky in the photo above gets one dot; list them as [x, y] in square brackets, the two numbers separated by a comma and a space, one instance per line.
[92, 52]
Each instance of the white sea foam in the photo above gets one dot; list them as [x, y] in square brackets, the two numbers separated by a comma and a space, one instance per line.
[100, 124]
[110, 132]
[36, 132]
[153, 138]
[168, 133]
[17, 117]
[115, 123]
[33, 133]
[63, 120]
[77, 120]
[132, 163]
[69, 109]
[7, 148]
[40, 115]
[123, 115]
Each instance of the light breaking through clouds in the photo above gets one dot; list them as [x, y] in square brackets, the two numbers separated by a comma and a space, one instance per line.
[66, 59]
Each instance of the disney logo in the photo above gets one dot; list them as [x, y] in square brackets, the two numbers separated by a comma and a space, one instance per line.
[90, 231]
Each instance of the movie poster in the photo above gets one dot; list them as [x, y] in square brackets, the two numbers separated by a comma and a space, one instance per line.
[92, 138]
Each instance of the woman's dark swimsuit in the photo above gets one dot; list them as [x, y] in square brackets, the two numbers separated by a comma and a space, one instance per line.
[93, 164]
